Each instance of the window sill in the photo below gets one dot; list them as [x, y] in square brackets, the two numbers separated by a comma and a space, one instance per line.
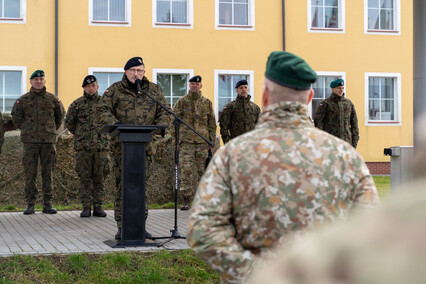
[383, 31]
[234, 26]
[12, 19]
[327, 29]
[173, 24]
[110, 23]
[378, 122]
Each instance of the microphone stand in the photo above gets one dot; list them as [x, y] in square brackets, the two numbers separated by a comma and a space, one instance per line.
[176, 123]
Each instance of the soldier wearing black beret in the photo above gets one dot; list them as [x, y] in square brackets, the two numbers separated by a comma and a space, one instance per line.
[240, 115]
[337, 115]
[92, 156]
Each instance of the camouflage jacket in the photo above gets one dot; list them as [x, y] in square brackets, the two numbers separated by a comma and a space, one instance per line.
[337, 116]
[267, 185]
[196, 111]
[83, 121]
[238, 117]
[38, 115]
[1, 130]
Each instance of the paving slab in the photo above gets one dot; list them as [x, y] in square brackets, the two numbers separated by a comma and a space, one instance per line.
[65, 232]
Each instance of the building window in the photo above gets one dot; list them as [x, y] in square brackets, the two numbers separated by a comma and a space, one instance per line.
[106, 77]
[12, 11]
[177, 13]
[383, 95]
[235, 14]
[382, 16]
[12, 86]
[173, 83]
[225, 87]
[322, 88]
[326, 15]
[110, 12]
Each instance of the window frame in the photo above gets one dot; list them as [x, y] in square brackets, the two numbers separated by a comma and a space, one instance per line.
[23, 70]
[188, 25]
[397, 89]
[342, 20]
[23, 15]
[251, 19]
[155, 71]
[105, 70]
[397, 31]
[326, 74]
[217, 72]
[126, 23]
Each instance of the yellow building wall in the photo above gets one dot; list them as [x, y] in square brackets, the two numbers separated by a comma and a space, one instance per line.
[356, 53]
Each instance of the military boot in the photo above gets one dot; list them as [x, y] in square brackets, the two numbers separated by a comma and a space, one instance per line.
[86, 212]
[118, 235]
[186, 204]
[98, 212]
[29, 210]
[48, 209]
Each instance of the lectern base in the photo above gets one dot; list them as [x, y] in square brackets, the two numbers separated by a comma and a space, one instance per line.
[119, 244]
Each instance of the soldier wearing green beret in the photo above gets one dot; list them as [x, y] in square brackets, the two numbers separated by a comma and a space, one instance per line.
[121, 102]
[337, 116]
[197, 111]
[282, 178]
[92, 149]
[38, 114]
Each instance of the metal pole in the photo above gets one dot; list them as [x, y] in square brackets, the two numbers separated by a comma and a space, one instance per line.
[283, 1]
[56, 47]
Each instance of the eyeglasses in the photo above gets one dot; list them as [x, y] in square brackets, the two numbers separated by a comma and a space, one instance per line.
[136, 70]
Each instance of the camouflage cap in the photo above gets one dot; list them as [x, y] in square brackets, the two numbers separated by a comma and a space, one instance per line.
[336, 83]
[37, 73]
[89, 79]
[289, 70]
[132, 62]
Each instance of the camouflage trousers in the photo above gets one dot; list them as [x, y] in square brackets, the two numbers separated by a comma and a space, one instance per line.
[92, 167]
[117, 152]
[192, 158]
[47, 154]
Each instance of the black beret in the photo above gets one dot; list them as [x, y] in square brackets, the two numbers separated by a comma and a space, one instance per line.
[336, 83]
[132, 62]
[240, 83]
[88, 80]
[196, 79]
[37, 73]
[289, 70]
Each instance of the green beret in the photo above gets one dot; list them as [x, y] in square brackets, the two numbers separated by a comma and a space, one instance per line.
[37, 73]
[289, 70]
[336, 83]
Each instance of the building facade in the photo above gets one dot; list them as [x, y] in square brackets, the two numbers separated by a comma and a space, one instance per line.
[368, 43]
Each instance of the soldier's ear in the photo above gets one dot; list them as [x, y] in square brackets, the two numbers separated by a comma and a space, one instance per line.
[265, 97]
[311, 95]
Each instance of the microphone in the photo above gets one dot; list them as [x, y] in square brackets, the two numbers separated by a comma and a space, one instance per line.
[138, 83]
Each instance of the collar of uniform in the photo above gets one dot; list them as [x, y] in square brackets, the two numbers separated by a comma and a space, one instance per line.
[126, 83]
[194, 96]
[288, 114]
[241, 98]
[89, 96]
[337, 97]
[38, 92]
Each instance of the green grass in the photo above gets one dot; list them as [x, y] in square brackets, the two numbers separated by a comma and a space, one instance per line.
[383, 186]
[128, 267]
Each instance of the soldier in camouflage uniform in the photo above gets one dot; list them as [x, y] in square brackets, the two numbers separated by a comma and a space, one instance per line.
[122, 103]
[1, 131]
[197, 111]
[286, 176]
[337, 116]
[92, 156]
[239, 116]
[38, 114]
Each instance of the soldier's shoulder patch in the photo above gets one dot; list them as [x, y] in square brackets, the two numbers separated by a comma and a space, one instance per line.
[321, 105]
[59, 100]
[17, 101]
[225, 108]
[106, 91]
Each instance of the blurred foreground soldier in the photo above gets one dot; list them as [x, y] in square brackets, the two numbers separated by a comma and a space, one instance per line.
[122, 103]
[38, 114]
[92, 157]
[385, 246]
[239, 116]
[197, 111]
[270, 184]
[1, 131]
[337, 116]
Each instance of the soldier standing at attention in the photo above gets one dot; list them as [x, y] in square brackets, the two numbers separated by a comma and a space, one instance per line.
[122, 103]
[38, 114]
[92, 157]
[337, 116]
[239, 116]
[282, 178]
[1, 131]
[197, 111]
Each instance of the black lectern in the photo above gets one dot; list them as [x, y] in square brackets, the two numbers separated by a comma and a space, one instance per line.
[133, 139]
